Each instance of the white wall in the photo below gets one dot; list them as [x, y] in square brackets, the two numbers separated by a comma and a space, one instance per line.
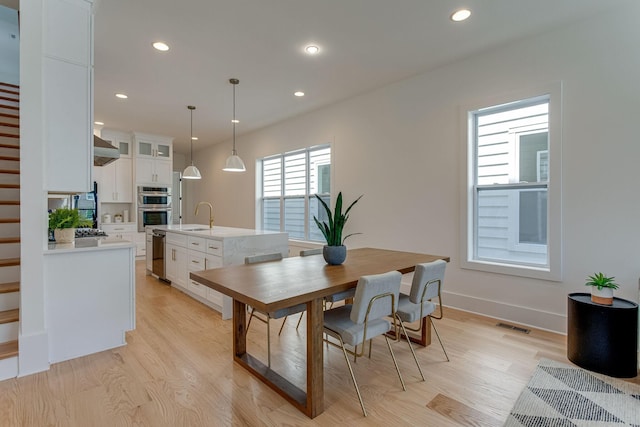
[401, 147]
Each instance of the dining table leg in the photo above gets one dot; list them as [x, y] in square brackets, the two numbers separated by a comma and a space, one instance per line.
[315, 362]
[239, 328]
[311, 402]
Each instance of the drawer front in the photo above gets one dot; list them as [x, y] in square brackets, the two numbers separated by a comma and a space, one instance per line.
[214, 296]
[214, 247]
[177, 239]
[198, 289]
[195, 261]
[197, 243]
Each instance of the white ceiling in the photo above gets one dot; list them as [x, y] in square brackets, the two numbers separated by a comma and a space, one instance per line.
[365, 44]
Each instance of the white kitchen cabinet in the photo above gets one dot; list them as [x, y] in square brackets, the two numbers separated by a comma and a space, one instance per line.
[153, 149]
[115, 181]
[121, 231]
[67, 80]
[149, 249]
[140, 240]
[175, 259]
[191, 251]
[153, 171]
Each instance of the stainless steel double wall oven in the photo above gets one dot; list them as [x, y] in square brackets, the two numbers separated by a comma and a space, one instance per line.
[154, 206]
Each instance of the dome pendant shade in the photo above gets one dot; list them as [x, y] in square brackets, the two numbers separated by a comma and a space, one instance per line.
[234, 163]
[191, 172]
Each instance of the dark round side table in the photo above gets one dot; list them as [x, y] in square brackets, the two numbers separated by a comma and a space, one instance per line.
[603, 338]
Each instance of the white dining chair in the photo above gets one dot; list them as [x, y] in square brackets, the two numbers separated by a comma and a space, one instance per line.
[426, 285]
[278, 314]
[375, 299]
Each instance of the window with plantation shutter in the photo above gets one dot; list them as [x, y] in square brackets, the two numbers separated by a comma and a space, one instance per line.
[290, 182]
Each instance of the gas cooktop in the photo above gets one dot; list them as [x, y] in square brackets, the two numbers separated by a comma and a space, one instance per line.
[89, 232]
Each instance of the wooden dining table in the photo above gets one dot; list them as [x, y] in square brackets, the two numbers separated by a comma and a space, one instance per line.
[274, 285]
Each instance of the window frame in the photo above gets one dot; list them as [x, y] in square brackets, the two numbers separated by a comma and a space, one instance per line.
[282, 197]
[468, 259]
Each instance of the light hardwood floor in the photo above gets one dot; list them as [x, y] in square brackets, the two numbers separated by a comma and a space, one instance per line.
[177, 370]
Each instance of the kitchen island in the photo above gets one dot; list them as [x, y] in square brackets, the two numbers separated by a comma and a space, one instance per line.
[89, 295]
[196, 247]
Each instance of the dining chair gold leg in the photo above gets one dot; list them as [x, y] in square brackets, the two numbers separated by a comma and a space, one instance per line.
[250, 317]
[299, 320]
[410, 347]
[268, 343]
[393, 356]
[353, 377]
[439, 340]
[282, 326]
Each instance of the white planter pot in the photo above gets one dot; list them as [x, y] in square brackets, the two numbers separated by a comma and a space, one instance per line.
[603, 296]
[64, 235]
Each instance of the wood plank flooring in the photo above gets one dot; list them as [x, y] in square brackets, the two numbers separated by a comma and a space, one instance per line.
[177, 370]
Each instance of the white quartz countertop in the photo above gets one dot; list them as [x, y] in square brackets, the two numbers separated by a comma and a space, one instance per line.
[86, 244]
[217, 232]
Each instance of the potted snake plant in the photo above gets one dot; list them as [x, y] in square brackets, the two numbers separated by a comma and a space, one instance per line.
[601, 288]
[334, 252]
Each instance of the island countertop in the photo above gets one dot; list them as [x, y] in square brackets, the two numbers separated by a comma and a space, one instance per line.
[85, 244]
[217, 232]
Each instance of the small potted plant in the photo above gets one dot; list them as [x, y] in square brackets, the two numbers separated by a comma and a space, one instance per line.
[335, 252]
[601, 288]
[63, 222]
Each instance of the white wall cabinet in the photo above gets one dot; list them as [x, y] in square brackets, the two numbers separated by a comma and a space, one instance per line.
[115, 181]
[153, 171]
[68, 95]
[154, 159]
[153, 149]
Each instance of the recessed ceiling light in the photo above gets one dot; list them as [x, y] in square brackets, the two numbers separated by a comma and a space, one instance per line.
[312, 49]
[99, 123]
[298, 93]
[162, 47]
[121, 96]
[194, 138]
[460, 15]
[235, 121]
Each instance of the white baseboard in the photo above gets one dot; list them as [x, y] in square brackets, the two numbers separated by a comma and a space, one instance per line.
[8, 368]
[33, 353]
[527, 316]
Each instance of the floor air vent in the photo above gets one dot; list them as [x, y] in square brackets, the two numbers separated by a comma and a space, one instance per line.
[513, 328]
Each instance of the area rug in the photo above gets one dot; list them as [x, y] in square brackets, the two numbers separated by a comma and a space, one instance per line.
[561, 395]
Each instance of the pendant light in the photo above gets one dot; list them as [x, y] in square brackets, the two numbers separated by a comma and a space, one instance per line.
[191, 172]
[234, 163]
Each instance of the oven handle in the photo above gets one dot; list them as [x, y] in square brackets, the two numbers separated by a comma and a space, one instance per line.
[156, 193]
[154, 209]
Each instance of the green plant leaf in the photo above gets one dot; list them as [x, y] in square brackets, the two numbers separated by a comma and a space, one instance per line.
[332, 231]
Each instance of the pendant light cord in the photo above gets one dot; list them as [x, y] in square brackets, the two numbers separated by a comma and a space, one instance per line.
[234, 119]
[191, 108]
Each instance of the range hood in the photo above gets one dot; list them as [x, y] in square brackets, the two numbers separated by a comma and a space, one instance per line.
[103, 152]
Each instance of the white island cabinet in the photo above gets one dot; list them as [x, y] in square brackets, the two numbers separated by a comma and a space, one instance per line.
[90, 296]
[196, 247]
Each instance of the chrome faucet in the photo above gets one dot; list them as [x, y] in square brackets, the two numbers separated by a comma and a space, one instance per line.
[210, 212]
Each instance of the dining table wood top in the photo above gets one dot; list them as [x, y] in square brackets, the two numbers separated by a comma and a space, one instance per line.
[270, 286]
